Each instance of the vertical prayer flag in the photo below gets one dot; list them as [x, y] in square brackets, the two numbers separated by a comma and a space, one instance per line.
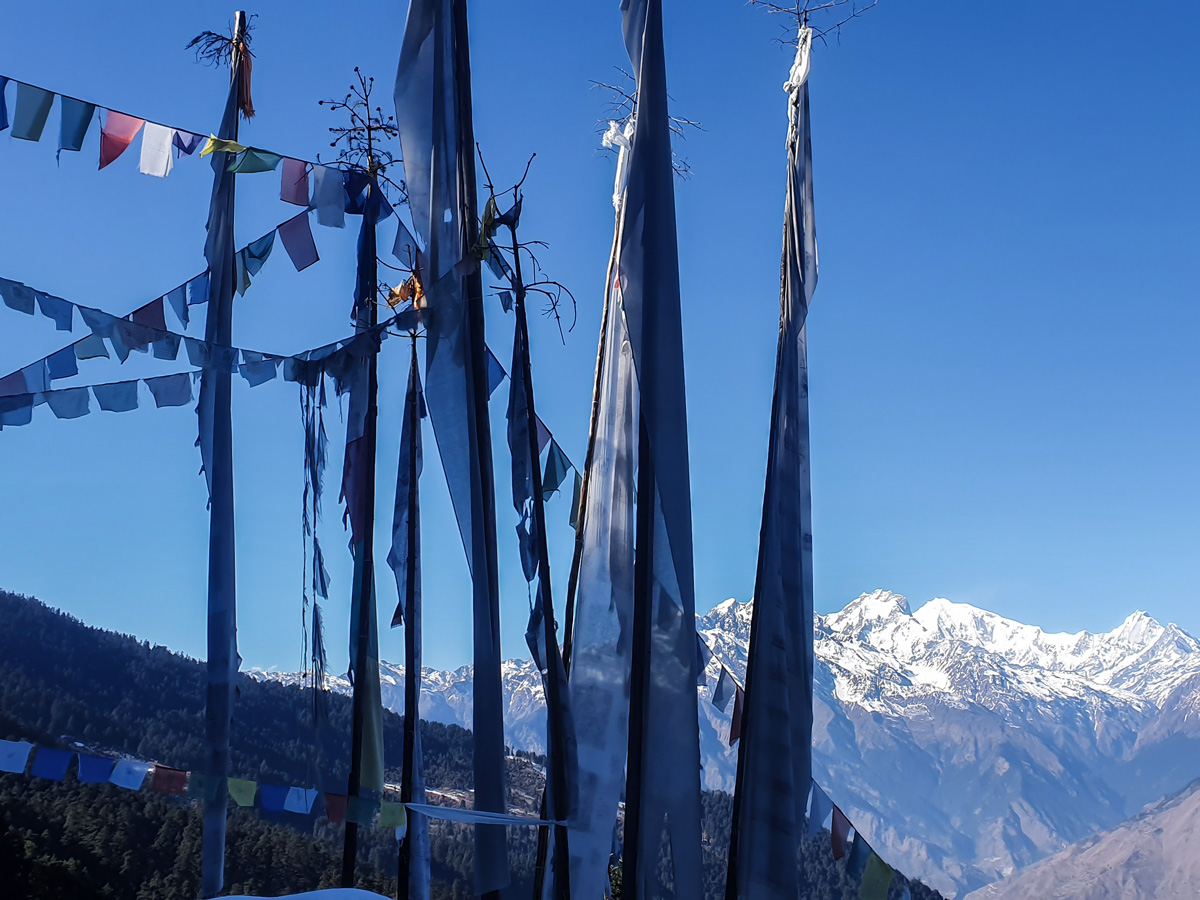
[33, 107]
[156, 158]
[117, 132]
[293, 182]
[76, 119]
[775, 757]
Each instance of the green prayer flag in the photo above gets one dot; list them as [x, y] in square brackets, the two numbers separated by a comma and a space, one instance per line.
[576, 496]
[875, 880]
[250, 160]
[242, 791]
[392, 815]
[557, 466]
[250, 260]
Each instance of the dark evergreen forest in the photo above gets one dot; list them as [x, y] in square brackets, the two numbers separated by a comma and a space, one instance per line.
[65, 684]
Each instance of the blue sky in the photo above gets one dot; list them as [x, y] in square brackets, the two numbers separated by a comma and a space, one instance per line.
[1003, 343]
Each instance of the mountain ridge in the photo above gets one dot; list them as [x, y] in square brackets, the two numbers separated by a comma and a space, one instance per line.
[966, 745]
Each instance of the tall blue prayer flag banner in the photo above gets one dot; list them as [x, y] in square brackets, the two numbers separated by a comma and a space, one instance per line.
[405, 561]
[665, 742]
[436, 137]
[775, 756]
[216, 454]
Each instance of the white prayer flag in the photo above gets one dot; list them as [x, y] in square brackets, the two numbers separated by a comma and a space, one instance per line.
[156, 150]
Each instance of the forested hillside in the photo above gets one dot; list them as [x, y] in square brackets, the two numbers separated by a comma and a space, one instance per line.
[62, 682]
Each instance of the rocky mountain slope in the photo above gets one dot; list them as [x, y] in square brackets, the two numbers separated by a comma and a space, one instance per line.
[1149, 857]
[966, 745]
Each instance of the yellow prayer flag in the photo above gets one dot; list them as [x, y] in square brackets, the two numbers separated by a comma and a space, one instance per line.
[214, 144]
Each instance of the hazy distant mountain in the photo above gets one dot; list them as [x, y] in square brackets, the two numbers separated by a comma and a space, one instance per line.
[1150, 857]
[966, 745]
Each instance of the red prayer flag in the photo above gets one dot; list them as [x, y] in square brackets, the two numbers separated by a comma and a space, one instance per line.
[166, 780]
[335, 807]
[839, 830]
[293, 182]
[151, 315]
[735, 725]
[116, 134]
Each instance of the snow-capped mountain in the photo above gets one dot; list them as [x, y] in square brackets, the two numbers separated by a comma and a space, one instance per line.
[964, 744]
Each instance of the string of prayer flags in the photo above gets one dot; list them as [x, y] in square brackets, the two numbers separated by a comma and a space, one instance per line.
[876, 879]
[51, 763]
[117, 132]
[129, 773]
[243, 791]
[165, 780]
[293, 182]
[297, 237]
[74, 124]
[94, 769]
[156, 159]
[839, 830]
[33, 108]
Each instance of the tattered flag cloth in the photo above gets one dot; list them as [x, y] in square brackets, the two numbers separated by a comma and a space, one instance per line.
[438, 160]
[76, 119]
[775, 757]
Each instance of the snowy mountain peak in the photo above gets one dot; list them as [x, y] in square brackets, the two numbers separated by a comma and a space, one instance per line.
[1139, 629]
[866, 612]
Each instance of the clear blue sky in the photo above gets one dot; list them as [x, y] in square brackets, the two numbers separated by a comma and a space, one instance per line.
[1004, 362]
